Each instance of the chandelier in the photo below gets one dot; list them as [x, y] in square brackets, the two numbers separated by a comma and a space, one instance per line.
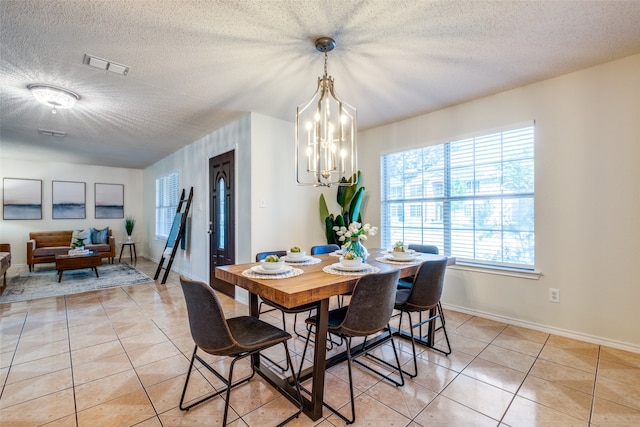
[325, 133]
[54, 97]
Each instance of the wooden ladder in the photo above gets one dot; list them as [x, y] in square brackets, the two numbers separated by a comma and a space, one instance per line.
[175, 236]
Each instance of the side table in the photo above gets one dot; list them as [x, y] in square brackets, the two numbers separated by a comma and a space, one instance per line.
[132, 251]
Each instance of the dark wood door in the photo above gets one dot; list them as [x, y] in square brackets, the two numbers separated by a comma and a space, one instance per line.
[222, 240]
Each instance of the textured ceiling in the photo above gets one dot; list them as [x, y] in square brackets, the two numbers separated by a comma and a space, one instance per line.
[197, 65]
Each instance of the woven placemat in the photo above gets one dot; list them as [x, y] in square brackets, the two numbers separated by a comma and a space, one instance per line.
[309, 261]
[332, 270]
[390, 261]
[285, 275]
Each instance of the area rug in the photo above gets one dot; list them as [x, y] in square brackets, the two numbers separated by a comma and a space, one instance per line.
[44, 283]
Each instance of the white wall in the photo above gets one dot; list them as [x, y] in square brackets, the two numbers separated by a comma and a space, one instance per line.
[192, 163]
[289, 213]
[264, 171]
[587, 200]
[16, 232]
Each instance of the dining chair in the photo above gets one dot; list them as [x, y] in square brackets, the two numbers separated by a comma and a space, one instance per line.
[275, 306]
[405, 283]
[368, 313]
[424, 294]
[327, 249]
[237, 337]
[324, 249]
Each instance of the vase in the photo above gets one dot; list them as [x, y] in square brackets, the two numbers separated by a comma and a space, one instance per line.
[129, 238]
[357, 248]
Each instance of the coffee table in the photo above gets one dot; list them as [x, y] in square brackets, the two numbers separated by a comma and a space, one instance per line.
[75, 262]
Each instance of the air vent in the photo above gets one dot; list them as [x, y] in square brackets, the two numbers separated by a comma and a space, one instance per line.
[104, 64]
[51, 132]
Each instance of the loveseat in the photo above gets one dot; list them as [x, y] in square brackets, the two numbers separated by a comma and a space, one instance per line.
[43, 246]
[5, 261]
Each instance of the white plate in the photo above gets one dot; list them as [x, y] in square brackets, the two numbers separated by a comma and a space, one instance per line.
[341, 267]
[258, 269]
[392, 258]
[303, 259]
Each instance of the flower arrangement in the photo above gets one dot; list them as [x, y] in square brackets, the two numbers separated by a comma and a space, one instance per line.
[355, 230]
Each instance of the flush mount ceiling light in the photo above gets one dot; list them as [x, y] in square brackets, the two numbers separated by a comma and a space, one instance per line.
[325, 133]
[54, 97]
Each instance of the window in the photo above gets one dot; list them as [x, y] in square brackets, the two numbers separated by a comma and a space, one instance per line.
[167, 198]
[481, 205]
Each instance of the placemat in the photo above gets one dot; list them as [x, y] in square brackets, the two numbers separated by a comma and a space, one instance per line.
[332, 270]
[309, 261]
[291, 273]
[390, 261]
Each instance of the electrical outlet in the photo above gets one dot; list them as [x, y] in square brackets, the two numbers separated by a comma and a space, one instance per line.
[554, 295]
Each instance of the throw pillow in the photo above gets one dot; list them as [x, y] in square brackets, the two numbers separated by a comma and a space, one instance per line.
[100, 236]
[80, 238]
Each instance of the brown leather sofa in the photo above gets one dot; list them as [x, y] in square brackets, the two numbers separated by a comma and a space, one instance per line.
[5, 260]
[43, 246]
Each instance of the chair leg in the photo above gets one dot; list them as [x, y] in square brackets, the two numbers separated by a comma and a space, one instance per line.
[439, 314]
[413, 345]
[284, 328]
[353, 405]
[227, 382]
[384, 362]
[297, 384]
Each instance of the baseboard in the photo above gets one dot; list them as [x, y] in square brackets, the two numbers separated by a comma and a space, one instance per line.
[546, 328]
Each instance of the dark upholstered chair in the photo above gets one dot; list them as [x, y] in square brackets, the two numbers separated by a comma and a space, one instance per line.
[275, 306]
[324, 249]
[237, 337]
[424, 295]
[327, 249]
[368, 313]
[406, 282]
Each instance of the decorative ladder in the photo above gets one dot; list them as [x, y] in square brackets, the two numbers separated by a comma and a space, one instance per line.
[175, 236]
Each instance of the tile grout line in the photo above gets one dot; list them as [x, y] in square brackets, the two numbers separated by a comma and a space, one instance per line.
[515, 394]
[15, 350]
[73, 381]
[593, 389]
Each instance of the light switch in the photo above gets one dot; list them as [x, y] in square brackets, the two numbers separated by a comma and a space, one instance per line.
[262, 203]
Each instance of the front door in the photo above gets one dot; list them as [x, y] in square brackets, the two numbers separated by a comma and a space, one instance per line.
[221, 218]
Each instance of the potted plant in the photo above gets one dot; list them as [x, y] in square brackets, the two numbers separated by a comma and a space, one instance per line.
[129, 223]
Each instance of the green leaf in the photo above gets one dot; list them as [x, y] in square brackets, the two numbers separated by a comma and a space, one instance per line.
[331, 235]
[324, 211]
[341, 196]
[356, 204]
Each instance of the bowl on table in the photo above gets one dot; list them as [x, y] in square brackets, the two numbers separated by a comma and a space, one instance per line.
[409, 253]
[350, 262]
[296, 255]
[271, 265]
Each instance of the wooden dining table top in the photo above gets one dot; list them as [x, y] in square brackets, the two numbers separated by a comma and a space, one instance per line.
[313, 284]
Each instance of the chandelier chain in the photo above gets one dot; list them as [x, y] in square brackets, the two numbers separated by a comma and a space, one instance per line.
[326, 56]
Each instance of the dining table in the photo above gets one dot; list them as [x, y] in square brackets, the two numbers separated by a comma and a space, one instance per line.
[314, 280]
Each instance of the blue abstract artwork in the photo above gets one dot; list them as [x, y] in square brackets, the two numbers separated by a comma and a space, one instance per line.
[22, 198]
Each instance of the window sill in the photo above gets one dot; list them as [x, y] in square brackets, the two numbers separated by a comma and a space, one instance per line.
[501, 271]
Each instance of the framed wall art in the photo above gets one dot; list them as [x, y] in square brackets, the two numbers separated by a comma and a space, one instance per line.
[109, 200]
[68, 200]
[22, 198]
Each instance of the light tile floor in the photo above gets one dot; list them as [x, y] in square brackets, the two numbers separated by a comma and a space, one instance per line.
[119, 357]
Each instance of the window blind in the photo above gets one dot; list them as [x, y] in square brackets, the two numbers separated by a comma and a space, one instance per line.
[473, 197]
